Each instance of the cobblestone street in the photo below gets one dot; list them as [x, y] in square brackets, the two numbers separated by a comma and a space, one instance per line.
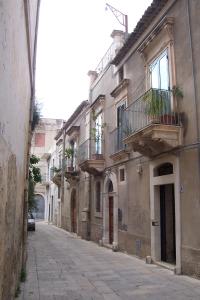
[61, 267]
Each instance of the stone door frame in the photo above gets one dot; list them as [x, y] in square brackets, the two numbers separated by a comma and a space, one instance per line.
[155, 183]
[106, 196]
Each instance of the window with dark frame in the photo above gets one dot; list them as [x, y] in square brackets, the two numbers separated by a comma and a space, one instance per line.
[98, 196]
[122, 174]
[121, 74]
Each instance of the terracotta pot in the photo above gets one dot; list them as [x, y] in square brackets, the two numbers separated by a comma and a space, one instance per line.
[168, 119]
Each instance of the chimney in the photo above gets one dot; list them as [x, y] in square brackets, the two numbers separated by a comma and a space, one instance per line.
[93, 76]
[118, 39]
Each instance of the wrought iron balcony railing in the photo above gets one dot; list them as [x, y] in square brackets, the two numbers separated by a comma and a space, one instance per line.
[153, 107]
[90, 149]
[71, 164]
[116, 140]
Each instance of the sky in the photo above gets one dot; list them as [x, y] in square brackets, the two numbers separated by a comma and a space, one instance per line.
[73, 37]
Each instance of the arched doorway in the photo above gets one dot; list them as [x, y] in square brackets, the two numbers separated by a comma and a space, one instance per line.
[110, 211]
[73, 211]
[39, 213]
[165, 211]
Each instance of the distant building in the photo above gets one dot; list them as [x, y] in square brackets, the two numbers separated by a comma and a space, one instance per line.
[42, 142]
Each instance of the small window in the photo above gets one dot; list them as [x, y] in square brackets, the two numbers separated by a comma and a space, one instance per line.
[121, 74]
[122, 174]
[39, 139]
[98, 196]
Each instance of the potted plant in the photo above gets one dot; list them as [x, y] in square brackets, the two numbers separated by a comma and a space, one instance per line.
[172, 117]
[69, 153]
[156, 104]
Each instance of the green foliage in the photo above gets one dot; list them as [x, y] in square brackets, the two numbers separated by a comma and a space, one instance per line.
[97, 134]
[34, 177]
[69, 152]
[156, 102]
[177, 92]
[36, 115]
[56, 170]
[18, 291]
[23, 275]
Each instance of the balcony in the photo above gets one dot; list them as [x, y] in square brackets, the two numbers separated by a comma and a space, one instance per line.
[118, 150]
[71, 170]
[151, 126]
[91, 158]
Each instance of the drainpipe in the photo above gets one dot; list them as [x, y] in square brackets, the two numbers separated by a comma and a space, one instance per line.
[194, 81]
[89, 208]
[63, 175]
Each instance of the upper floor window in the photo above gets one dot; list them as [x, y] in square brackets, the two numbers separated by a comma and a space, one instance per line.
[98, 133]
[39, 139]
[159, 72]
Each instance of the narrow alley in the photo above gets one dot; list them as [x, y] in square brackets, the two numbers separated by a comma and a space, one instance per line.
[61, 266]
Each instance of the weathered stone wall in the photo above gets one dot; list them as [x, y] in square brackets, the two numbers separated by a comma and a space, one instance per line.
[15, 96]
[134, 234]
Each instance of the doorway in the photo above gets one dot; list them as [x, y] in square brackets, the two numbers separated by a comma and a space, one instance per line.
[111, 220]
[165, 212]
[167, 224]
[73, 212]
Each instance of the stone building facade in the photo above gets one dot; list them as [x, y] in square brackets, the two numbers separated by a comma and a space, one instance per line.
[18, 40]
[137, 176]
[72, 182]
[149, 172]
[43, 146]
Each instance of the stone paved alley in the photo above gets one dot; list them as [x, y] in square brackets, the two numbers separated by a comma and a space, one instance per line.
[63, 267]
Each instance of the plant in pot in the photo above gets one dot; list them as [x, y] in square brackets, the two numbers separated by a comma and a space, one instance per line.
[69, 153]
[157, 104]
[171, 118]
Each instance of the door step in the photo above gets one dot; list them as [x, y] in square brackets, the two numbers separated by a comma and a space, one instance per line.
[165, 265]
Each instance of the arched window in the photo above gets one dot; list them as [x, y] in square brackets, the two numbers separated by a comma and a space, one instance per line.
[164, 169]
[98, 196]
[110, 187]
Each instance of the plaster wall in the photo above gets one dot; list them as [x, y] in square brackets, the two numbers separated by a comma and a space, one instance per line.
[15, 97]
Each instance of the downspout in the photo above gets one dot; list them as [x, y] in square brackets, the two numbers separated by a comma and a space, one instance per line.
[194, 81]
[63, 176]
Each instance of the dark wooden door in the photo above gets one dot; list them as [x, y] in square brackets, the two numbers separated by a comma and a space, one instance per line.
[167, 223]
[110, 220]
[73, 215]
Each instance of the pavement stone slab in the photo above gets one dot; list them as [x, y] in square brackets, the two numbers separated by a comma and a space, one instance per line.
[61, 266]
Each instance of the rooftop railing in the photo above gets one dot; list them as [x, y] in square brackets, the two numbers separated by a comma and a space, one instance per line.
[116, 140]
[108, 56]
[153, 107]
